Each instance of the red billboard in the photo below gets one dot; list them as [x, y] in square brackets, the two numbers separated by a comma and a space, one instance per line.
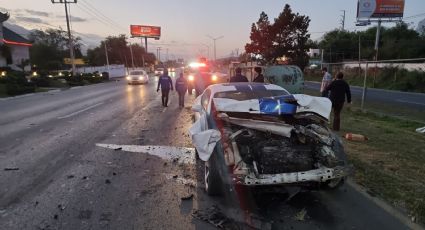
[145, 31]
[367, 9]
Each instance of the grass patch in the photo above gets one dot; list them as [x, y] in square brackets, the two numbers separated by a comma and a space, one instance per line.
[392, 163]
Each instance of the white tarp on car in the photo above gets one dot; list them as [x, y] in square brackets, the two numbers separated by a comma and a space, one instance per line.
[319, 105]
[204, 141]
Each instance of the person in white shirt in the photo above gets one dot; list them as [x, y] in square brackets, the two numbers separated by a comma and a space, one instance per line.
[326, 80]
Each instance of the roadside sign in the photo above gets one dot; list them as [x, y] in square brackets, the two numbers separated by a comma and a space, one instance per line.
[145, 31]
[77, 61]
[369, 9]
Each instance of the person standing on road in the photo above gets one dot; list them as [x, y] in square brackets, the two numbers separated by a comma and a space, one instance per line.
[259, 77]
[338, 88]
[166, 84]
[326, 80]
[181, 88]
[238, 77]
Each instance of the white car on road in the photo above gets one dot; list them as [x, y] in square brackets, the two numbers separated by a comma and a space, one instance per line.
[137, 76]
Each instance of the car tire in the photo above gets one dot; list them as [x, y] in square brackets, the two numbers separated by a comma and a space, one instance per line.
[212, 177]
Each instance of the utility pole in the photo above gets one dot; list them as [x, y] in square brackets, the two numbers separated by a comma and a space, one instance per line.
[343, 20]
[378, 34]
[132, 58]
[106, 54]
[215, 50]
[167, 53]
[158, 49]
[71, 44]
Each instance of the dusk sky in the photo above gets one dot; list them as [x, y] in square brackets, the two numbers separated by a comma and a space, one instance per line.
[185, 23]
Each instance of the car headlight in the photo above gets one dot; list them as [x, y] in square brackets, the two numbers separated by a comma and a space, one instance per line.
[128, 78]
[140, 78]
[191, 78]
[214, 78]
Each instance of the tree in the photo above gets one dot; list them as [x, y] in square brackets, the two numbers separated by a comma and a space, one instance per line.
[286, 38]
[119, 53]
[261, 43]
[50, 47]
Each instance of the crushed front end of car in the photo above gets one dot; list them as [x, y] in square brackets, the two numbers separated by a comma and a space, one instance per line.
[282, 141]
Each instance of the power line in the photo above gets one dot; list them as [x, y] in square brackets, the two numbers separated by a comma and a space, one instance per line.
[108, 19]
[85, 10]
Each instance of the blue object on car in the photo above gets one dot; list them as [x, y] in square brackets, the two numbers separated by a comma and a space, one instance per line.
[282, 105]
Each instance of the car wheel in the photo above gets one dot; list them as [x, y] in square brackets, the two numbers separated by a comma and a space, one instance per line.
[212, 178]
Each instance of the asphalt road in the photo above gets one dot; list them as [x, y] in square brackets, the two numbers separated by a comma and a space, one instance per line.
[105, 157]
[414, 100]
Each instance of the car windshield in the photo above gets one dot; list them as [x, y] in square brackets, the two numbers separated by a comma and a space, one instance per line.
[137, 73]
[248, 95]
[114, 114]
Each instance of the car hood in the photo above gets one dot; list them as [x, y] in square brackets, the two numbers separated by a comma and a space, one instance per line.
[305, 104]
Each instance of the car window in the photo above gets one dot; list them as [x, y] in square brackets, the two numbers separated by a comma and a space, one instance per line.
[137, 73]
[248, 95]
[205, 99]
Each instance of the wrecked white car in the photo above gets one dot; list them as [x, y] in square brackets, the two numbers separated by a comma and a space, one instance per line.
[257, 134]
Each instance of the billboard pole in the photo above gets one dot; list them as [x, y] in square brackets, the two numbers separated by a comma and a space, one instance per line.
[143, 56]
[378, 34]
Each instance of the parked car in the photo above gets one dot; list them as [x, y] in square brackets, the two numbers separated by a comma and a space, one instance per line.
[159, 71]
[137, 76]
[255, 134]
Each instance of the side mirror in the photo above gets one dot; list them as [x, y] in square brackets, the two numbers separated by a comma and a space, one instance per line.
[197, 108]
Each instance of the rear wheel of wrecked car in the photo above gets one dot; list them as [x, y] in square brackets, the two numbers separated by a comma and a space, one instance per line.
[339, 151]
[212, 177]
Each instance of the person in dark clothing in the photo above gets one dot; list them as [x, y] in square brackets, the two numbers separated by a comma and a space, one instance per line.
[238, 77]
[259, 77]
[338, 90]
[166, 84]
[181, 87]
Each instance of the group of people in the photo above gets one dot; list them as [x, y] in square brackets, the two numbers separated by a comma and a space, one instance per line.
[166, 84]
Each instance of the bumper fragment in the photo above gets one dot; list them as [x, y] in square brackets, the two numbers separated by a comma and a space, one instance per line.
[317, 175]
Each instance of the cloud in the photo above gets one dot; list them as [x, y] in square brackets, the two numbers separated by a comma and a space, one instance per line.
[74, 18]
[37, 13]
[28, 19]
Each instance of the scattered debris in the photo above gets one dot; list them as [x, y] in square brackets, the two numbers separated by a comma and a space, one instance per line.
[11, 169]
[181, 180]
[119, 148]
[70, 176]
[36, 203]
[114, 173]
[55, 216]
[175, 176]
[213, 216]
[107, 181]
[188, 197]
[84, 178]
[301, 215]
[421, 130]
[61, 207]
[355, 137]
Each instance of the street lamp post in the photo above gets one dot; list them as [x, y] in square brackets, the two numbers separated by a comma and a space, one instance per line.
[215, 50]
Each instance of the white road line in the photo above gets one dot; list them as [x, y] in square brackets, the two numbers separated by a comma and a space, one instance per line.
[415, 103]
[80, 111]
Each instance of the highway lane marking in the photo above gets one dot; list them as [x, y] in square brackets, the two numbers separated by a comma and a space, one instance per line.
[180, 154]
[415, 103]
[80, 111]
